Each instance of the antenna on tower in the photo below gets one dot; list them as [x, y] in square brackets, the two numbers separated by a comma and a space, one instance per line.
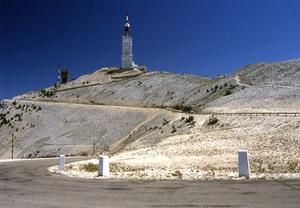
[58, 74]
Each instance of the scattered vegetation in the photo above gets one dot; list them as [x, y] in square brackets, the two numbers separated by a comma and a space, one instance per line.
[46, 93]
[189, 119]
[3, 105]
[173, 129]
[183, 107]
[90, 167]
[178, 174]
[228, 89]
[165, 122]
[3, 120]
[227, 92]
[69, 167]
[212, 121]
[292, 165]
[84, 154]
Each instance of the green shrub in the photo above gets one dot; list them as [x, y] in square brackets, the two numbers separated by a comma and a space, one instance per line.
[90, 167]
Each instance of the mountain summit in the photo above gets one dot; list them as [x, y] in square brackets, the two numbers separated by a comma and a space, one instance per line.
[174, 116]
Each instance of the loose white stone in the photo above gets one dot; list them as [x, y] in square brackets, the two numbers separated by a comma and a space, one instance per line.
[103, 168]
[244, 169]
[61, 162]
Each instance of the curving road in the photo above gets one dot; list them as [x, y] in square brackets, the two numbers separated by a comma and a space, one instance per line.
[28, 184]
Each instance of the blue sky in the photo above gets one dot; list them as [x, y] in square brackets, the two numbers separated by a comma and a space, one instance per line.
[203, 37]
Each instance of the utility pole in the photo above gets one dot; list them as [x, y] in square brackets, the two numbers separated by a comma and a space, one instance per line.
[58, 74]
[12, 146]
[94, 147]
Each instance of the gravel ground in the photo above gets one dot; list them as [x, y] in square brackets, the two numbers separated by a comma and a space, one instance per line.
[119, 170]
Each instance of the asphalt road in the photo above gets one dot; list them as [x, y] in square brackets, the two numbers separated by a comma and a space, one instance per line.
[28, 184]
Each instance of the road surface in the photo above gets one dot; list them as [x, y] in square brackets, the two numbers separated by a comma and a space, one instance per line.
[28, 184]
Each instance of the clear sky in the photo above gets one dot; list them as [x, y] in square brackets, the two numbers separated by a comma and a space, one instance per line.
[203, 37]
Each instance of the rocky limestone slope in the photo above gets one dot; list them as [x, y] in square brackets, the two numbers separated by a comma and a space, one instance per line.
[133, 110]
[266, 86]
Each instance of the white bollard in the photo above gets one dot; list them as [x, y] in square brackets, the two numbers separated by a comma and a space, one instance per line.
[61, 165]
[103, 168]
[244, 169]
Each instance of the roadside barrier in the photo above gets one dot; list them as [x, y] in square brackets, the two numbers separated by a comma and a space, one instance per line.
[103, 168]
[61, 165]
[244, 169]
[283, 114]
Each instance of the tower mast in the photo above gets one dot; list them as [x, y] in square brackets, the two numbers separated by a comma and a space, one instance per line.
[127, 25]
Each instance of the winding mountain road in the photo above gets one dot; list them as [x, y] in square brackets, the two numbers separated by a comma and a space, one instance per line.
[28, 184]
[239, 81]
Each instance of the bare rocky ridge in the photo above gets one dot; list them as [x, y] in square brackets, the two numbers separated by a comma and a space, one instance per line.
[272, 86]
[145, 117]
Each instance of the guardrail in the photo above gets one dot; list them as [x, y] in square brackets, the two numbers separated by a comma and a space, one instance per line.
[284, 114]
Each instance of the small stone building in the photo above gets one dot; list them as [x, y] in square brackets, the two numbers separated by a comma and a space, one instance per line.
[64, 76]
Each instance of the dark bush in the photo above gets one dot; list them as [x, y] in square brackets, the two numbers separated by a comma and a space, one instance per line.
[189, 119]
[183, 108]
[45, 93]
[212, 121]
[173, 129]
[227, 92]
[165, 122]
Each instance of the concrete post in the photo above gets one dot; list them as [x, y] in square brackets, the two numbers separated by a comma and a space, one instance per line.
[244, 169]
[103, 168]
[61, 162]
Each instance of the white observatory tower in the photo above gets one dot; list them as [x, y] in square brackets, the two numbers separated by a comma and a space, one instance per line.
[127, 62]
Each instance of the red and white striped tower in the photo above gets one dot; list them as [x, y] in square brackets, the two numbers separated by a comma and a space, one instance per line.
[127, 25]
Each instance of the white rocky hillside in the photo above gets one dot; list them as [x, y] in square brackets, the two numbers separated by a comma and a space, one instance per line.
[130, 111]
[261, 87]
